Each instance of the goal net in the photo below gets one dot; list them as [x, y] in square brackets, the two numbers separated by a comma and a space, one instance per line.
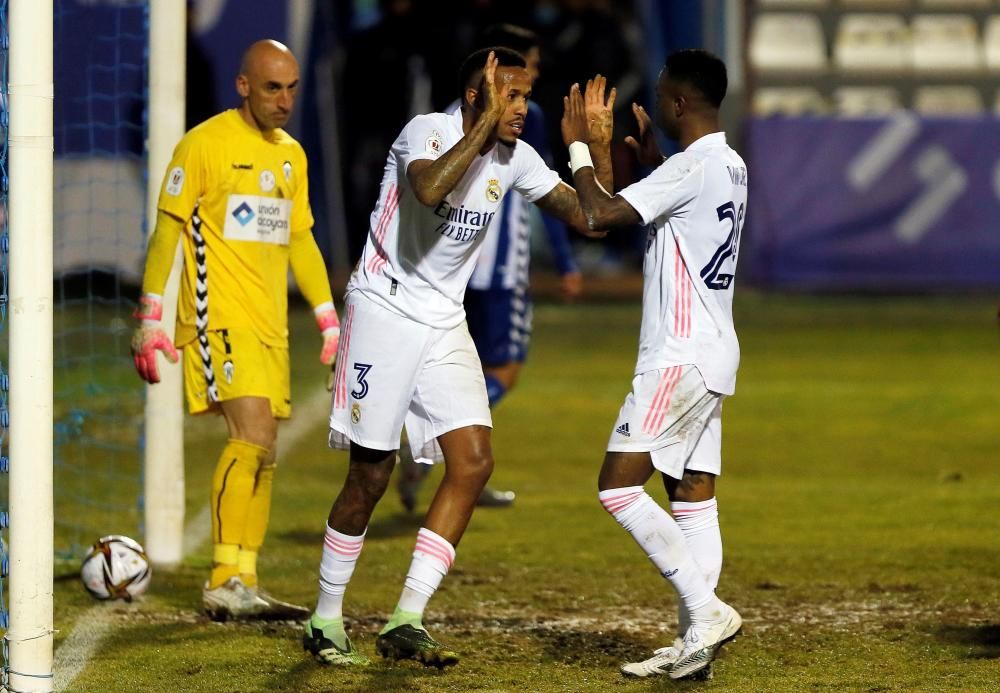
[99, 239]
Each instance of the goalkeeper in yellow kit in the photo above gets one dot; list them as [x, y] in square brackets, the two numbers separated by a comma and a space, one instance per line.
[237, 194]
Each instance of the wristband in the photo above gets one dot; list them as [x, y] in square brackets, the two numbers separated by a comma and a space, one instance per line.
[150, 308]
[579, 156]
[326, 317]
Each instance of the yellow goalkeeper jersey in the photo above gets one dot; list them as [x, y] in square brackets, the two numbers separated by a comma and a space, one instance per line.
[243, 197]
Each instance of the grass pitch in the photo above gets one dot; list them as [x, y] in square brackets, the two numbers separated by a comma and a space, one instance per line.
[858, 507]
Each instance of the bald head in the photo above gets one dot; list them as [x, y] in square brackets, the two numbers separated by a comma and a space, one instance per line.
[267, 83]
[261, 52]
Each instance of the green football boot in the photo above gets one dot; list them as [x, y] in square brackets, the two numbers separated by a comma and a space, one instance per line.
[407, 642]
[320, 638]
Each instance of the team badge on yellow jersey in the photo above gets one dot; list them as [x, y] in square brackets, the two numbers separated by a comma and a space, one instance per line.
[266, 181]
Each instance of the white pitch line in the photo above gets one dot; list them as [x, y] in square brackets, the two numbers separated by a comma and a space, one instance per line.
[95, 623]
[73, 655]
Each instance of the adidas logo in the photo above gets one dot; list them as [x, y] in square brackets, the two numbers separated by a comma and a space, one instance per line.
[623, 429]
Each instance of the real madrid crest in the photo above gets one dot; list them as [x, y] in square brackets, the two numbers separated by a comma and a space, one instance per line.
[286, 168]
[355, 413]
[266, 180]
[493, 191]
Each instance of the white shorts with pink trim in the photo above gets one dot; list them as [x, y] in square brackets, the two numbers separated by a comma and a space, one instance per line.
[672, 415]
[393, 371]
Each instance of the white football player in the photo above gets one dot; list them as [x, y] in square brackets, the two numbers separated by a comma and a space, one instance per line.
[693, 205]
[406, 356]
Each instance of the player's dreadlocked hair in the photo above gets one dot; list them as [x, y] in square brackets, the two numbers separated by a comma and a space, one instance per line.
[475, 63]
[702, 70]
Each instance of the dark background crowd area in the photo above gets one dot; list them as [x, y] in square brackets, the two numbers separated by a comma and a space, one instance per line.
[407, 63]
[372, 65]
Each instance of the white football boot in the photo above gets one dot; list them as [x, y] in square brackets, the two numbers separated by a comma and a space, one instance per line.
[702, 643]
[232, 599]
[657, 665]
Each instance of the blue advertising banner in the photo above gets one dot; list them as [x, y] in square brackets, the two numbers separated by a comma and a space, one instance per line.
[897, 204]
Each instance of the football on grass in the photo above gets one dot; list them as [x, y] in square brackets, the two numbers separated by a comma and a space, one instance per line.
[116, 567]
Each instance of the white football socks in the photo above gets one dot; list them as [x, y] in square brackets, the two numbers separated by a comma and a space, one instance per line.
[340, 555]
[432, 557]
[700, 524]
[664, 543]
[699, 521]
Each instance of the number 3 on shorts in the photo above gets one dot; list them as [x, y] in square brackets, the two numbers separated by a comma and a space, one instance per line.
[362, 369]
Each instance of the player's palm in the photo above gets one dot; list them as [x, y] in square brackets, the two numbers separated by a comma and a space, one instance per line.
[574, 121]
[495, 98]
[600, 111]
[647, 151]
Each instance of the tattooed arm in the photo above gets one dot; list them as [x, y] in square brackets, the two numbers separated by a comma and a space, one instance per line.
[562, 202]
[601, 210]
[432, 180]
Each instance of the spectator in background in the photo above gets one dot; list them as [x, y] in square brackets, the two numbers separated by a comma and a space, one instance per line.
[497, 303]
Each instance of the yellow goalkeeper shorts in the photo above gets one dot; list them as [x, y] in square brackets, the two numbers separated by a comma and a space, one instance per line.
[240, 366]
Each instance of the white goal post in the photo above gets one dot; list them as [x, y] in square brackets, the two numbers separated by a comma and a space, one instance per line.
[30, 87]
[29, 637]
[164, 420]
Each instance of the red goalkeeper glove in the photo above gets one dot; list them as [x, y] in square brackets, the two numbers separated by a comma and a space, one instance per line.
[149, 338]
[329, 326]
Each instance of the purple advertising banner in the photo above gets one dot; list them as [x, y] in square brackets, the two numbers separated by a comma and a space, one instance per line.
[897, 204]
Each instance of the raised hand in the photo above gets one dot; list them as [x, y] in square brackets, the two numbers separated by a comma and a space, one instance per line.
[495, 97]
[647, 151]
[574, 125]
[600, 112]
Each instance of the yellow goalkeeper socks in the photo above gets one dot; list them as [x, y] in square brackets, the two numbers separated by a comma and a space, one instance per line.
[256, 524]
[232, 490]
[248, 567]
[225, 560]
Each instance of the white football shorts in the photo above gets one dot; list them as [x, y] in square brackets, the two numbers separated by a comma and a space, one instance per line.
[393, 371]
[672, 415]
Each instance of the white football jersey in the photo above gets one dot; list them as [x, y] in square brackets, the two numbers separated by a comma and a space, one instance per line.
[694, 205]
[417, 260]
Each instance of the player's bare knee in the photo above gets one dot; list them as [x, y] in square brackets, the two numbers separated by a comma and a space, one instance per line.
[262, 433]
[250, 419]
[368, 475]
[482, 467]
[621, 469]
[693, 487]
[471, 469]
[372, 482]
